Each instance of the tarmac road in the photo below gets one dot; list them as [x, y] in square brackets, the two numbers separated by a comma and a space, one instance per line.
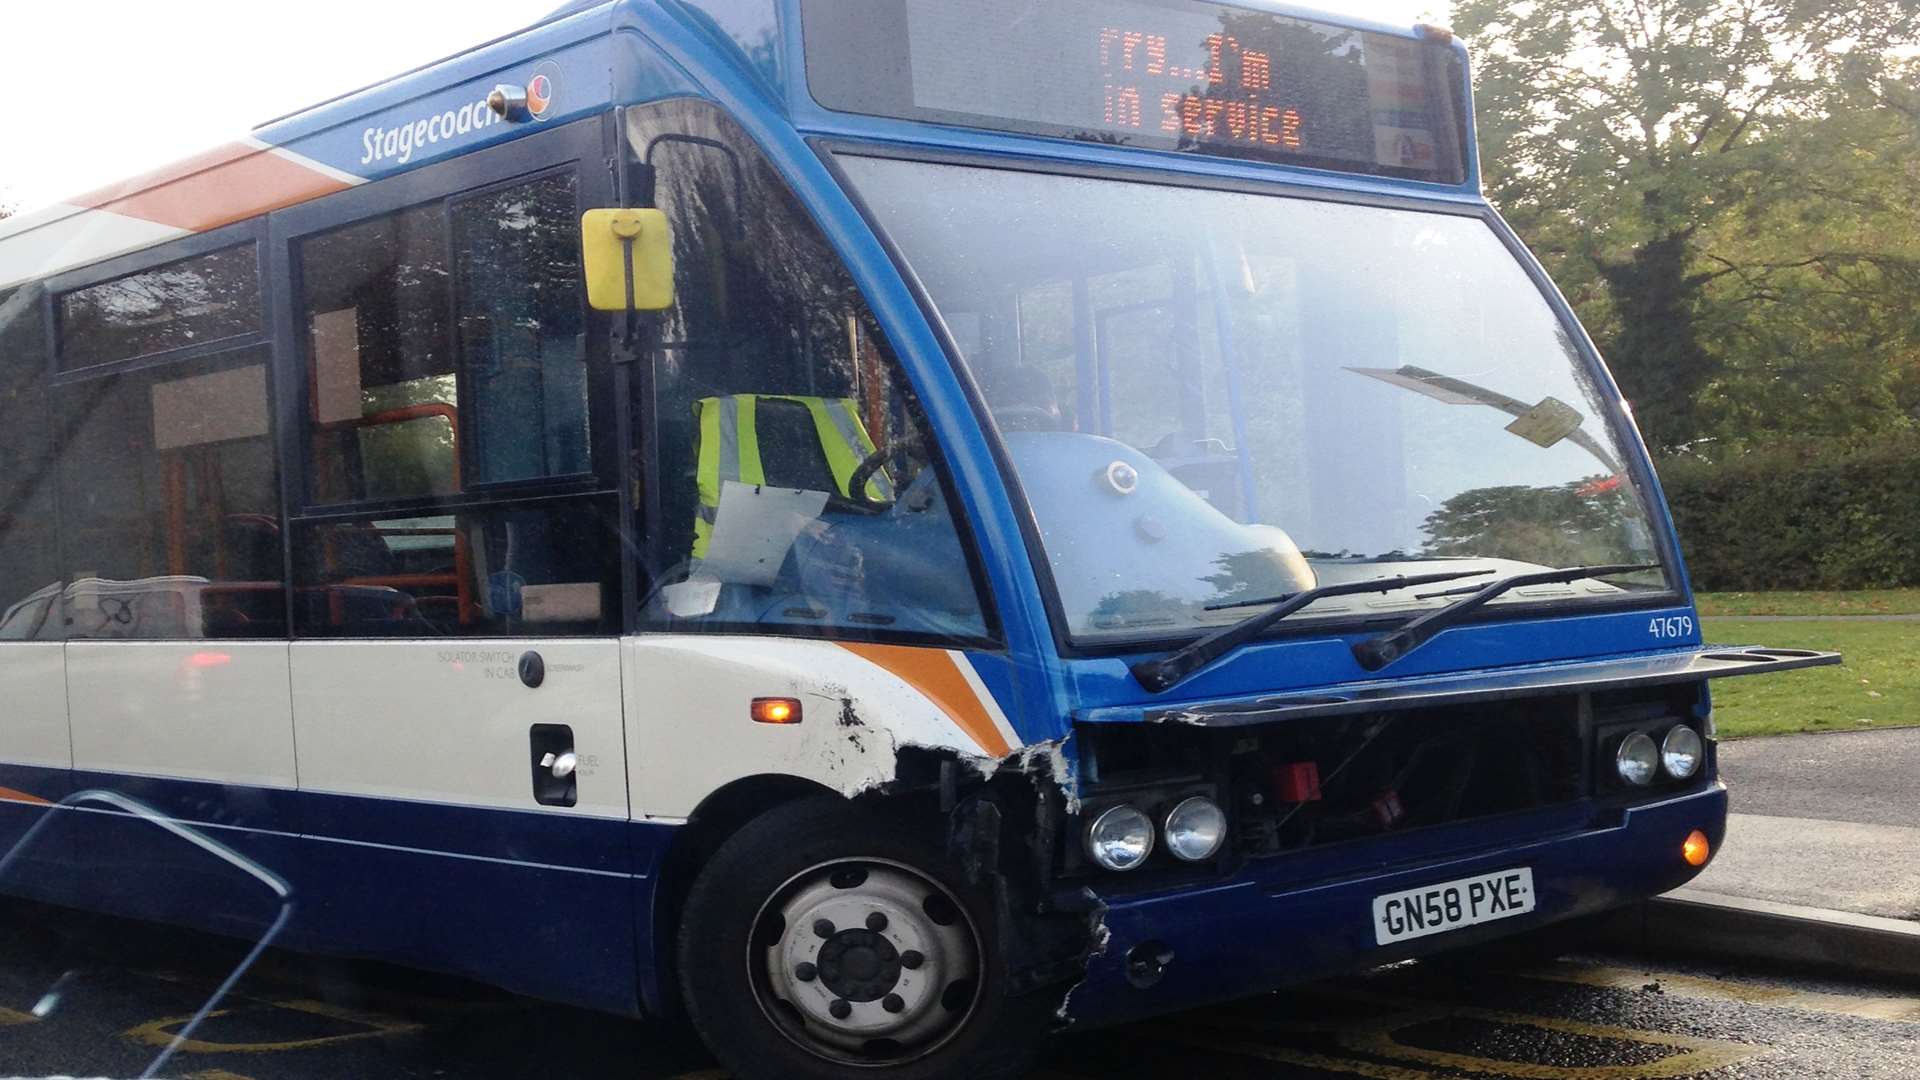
[1866, 777]
[111, 994]
[1823, 821]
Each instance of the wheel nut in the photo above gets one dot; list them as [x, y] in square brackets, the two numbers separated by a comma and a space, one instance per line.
[840, 1010]
[911, 960]
[806, 972]
[876, 922]
[823, 928]
[893, 1003]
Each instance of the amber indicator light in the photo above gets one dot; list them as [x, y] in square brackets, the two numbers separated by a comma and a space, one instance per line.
[776, 710]
[1696, 850]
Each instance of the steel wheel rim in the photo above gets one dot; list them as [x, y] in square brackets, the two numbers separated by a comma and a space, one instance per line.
[859, 991]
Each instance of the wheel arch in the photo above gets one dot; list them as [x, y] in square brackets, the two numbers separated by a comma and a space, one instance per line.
[719, 816]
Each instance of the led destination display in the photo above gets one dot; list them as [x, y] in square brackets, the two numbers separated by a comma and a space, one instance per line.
[1178, 75]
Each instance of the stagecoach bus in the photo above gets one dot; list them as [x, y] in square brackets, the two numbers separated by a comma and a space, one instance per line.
[889, 526]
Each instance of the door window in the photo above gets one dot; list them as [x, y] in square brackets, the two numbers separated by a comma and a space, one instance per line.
[798, 489]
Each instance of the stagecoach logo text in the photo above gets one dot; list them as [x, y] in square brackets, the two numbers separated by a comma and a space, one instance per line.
[398, 144]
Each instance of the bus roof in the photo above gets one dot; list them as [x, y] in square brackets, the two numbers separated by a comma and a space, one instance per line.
[430, 113]
[341, 143]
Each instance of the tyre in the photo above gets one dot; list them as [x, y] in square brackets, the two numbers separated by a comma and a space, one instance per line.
[825, 940]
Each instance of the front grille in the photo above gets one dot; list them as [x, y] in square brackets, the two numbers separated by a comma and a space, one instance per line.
[1303, 784]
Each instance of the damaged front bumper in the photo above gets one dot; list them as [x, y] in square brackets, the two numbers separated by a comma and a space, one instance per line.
[1291, 918]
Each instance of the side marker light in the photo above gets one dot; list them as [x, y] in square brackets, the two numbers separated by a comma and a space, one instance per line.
[776, 710]
[1696, 850]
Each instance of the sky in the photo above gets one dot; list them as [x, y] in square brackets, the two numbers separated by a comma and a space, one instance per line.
[124, 86]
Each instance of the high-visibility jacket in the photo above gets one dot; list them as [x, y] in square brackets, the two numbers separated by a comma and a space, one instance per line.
[730, 450]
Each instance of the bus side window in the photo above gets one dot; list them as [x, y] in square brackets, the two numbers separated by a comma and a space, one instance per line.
[522, 330]
[29, 576]
[435, 381]
[169, 490]
[385, 416]
[170, 503]
[796, 488]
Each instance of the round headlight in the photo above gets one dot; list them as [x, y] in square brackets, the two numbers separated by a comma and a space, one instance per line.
[1637, 759]
[1680, 753]
[1121, 838]
[1196, 829]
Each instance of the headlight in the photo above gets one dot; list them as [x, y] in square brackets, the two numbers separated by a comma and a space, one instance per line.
[1196, 829]
[1637, 759]
[1120, 838]
[1680, 753]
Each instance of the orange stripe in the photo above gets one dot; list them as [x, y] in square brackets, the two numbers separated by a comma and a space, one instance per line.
[9, 795]
[219, 187]
[936, 674]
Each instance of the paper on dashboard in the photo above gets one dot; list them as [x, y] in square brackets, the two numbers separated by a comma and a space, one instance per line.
[755, 528]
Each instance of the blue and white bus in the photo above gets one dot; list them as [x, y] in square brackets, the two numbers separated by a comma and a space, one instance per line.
[891, 526]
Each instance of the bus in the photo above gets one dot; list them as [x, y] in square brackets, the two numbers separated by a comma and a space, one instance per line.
[884, 527]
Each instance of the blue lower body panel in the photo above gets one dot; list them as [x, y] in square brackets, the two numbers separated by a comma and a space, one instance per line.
[1266, 928]
[539, 903]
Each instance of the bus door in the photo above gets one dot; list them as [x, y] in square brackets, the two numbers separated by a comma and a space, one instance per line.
[457, 570]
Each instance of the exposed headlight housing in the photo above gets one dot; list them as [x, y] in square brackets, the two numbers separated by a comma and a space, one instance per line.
[1121, 838]
[1681, 753]
[1195, 829]
[1638, 759]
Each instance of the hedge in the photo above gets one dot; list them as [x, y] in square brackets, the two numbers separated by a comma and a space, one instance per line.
[1800, 517]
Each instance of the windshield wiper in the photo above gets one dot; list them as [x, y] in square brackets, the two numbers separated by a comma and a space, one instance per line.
[1376, 653]
[1163, 673]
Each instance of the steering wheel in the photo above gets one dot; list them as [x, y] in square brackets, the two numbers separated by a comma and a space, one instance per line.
[857, 483]
[1027, 418]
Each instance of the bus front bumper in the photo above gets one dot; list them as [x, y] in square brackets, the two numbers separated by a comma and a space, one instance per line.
[1264, 928]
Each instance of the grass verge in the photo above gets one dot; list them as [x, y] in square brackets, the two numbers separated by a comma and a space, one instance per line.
[1877, 687]
[1864, 602]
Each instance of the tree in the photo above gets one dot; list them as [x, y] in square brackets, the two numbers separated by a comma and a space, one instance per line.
[1626, 137]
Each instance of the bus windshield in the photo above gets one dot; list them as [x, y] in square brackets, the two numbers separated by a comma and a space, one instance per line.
[1214, 397]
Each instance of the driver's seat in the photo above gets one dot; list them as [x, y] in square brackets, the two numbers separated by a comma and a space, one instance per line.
[780, 440]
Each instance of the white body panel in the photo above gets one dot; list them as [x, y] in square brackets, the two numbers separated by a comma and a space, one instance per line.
[61, 236]
[690, 726]
[33, 705]
[448, 721]
[198, 710]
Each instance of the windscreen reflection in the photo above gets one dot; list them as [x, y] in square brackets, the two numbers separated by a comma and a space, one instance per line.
[1300, 392]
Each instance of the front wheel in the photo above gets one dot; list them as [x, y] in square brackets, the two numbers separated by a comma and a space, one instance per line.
[824, 939]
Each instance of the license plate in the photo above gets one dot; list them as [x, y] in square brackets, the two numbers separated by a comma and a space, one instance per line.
[1436, 909]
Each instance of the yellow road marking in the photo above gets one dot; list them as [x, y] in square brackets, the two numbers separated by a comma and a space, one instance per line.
[1694, 1055]
[1904, 1009]
[1378, 1036]
[1302, 1059]
[8, 1018]
[158, 1033]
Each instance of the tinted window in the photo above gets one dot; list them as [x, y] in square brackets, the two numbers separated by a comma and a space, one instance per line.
[541, 569]
[521, 327]
[385, 406]
[412, 398]
[797, 484]
[29, 576]
[170, 503]
[190, 302]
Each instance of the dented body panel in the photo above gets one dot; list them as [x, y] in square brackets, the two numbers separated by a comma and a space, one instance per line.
[691, 732]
